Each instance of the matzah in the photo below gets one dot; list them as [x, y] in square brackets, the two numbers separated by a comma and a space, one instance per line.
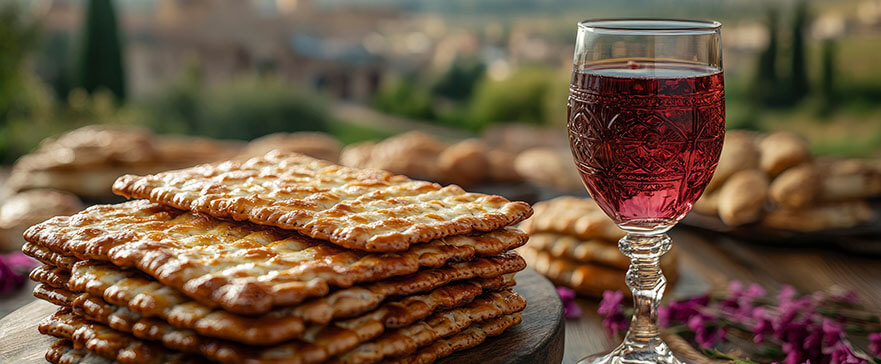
[355, 208]
[242, 267]
[109, 343]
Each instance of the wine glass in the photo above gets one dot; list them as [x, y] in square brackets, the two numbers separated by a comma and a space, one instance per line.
[646, 120]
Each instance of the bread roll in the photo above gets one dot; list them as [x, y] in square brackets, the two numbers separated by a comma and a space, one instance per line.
[796, 187]
[836, 215]
[780, 151]
[742, 197]
[464, 163]
[738, 153]
[849, 180]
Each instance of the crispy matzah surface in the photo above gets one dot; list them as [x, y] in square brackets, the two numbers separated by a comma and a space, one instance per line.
[579, 217]
[356, 208]
[468, 338]
[592, 251]
[392, 314]
[242, 267]
[319, 341]
[62, 351]
[147, 297]
[46, 256]
[107, 342]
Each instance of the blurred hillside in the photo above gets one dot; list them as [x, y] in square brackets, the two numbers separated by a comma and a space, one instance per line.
[241, 69]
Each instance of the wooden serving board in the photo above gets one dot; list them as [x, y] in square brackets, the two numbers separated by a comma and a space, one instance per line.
[537, 340]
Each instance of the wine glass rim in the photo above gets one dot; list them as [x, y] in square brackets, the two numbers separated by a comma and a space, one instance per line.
[653, 25]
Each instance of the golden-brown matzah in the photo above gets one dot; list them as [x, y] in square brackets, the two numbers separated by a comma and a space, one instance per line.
[108, 342]
[589, 279]
[51, 275]
[320, 341]
[593, 251]
[356, 208]
[392, 314]
[242, 267]
[407, 340]
[579, 217]
[63, 352]
[149, 298]
[58, 296]
[469, 338]
[46, 256]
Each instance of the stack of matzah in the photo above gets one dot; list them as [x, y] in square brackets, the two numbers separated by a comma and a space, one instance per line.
[574, 244]
[279, 259]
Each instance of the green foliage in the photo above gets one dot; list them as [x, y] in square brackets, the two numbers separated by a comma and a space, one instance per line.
[349, 133]
[519, 97]
[766, 86]
[16, 38]
[827, 77]
[100, 55]
[404, 97]
[458, 81]
[243, 109]
[799, 76]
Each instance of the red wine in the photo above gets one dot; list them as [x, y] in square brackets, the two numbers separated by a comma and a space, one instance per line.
[646, 137]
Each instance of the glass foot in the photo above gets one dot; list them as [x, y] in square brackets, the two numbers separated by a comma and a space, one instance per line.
[655, 351]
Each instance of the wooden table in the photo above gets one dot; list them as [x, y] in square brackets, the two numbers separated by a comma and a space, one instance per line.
[711, 260]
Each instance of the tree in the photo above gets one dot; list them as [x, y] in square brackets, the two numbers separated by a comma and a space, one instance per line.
[766, 71]
[16, 38]
[827, 75]
[458, 82]
[799, 78]
[100, 54]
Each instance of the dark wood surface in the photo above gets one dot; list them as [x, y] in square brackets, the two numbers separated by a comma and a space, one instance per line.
[537, 340]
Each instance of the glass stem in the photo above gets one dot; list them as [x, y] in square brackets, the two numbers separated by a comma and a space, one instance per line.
[647, 283]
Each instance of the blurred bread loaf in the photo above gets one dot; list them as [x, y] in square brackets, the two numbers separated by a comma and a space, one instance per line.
[796, 187]
[835, 215]
[739, 152]
[20, 211]
[549, 167]
[314, 144]
[743, 197]
[464, 163]
[779, 151]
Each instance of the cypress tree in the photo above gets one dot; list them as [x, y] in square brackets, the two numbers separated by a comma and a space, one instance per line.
[827, 75]
[765, 85]
[99, 64]
[799, 80]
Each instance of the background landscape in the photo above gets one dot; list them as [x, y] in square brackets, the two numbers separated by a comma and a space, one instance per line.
[363, 69]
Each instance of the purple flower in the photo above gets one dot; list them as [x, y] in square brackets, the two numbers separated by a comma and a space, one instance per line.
[786, 294]
[832, 333]
[842, 354]
[570, 308]
[682, 311]
[705, 333]
[875, 344]
[614, 321]
[9, 279]
[19, 262]
[762, 326]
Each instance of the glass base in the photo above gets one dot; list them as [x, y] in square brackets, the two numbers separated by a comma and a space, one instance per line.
[655, 351]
